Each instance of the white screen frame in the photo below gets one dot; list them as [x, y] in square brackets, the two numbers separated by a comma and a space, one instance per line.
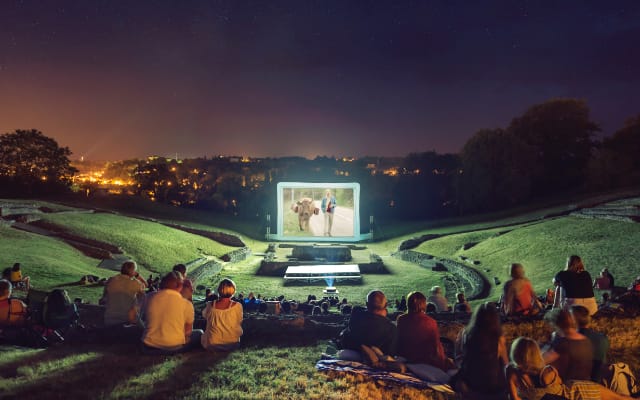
[283, 206]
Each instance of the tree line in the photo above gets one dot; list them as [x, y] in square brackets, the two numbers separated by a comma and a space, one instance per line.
[551, 149]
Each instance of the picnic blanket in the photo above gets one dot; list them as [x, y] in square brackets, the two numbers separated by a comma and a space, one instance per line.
[407, 379]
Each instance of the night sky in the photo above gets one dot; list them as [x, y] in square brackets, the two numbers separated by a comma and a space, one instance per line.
[123, 79]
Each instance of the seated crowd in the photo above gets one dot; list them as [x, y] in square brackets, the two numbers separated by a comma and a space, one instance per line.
[160, 313]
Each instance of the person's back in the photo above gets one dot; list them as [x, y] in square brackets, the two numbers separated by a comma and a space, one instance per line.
[437, 298]
[224, 320]
[120, 296]
[168, 316]
[418, 336]
[484, 355]
[13, 312]
[599, 341]
[571, 353]
[371, 327]
[59, 311]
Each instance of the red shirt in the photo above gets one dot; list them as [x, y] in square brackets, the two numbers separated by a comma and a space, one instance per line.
[419, 340]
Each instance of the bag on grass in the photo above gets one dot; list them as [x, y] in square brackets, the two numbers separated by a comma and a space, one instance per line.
[620, 379]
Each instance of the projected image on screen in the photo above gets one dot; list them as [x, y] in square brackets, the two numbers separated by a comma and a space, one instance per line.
[313, 210]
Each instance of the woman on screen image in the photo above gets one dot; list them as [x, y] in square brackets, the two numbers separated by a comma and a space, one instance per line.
[328, 207]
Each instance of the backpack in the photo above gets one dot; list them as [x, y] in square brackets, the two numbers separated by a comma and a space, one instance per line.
[620, 379]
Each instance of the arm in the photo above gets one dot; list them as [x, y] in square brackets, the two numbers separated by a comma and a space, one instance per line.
[512, 382]
[550, 356]
[140, 279]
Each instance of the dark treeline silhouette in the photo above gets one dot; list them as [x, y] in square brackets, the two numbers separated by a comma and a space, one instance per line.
[549, 150]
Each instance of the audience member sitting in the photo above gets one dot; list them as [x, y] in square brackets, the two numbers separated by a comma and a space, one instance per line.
[418, 335]
[224, 320]
[6, 274]
[16, 278]
[370, 327]
[529, 379]
[574, 286]
[13, 312]
[285, 306]
[599, 341]
[121, 295]
[570, 352]
[402, 304]
[603, 281]
[187, 284]
[483, 356]
[635, 285]
[431, 309]
[324, 306]
[169, 319]
[518, 297]
[438, 299]
[526, 375]
[462, 306]
[59, 312]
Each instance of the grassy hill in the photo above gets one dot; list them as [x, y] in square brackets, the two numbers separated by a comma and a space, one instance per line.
[280, 367]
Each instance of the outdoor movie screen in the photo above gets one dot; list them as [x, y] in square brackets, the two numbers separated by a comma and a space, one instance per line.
[318, 211]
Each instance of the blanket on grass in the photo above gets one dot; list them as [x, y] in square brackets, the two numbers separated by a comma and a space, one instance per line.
[380, 376]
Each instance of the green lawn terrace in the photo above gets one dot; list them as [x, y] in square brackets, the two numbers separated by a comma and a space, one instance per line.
[604, 233]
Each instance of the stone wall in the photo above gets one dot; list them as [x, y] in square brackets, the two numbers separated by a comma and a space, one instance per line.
[476, 285]
[237, 255]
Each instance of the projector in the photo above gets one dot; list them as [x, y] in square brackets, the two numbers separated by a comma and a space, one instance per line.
[330, 290]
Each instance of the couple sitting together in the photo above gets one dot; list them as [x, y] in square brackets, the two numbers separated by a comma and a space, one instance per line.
[166, 317]
[371, 336]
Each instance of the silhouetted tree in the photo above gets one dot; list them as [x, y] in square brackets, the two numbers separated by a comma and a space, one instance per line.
[32, 163]
[618, 159]
[496, 171]
[560, 133]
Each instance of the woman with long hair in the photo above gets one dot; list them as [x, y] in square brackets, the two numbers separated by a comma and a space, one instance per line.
[484, 356]
[518, 297]
[574, 286]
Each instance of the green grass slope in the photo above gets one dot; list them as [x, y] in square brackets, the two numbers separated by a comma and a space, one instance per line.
[49, 262]
[153, 245]
[543, 249]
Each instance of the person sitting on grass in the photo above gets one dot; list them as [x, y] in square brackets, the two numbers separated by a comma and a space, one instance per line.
[121, 295]
[370, 327]
[224, 320]
[60, 313]
[462, 306]
[603, 281]
[528, 378]
[437, 298]
[13, 312]
[571, 353]
[518, 297]
[169, 319]
[17, 280]
[483, 356]
[187, 284]
[599, 341]
[418, 335]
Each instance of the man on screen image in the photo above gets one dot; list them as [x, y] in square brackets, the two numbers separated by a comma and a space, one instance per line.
[328, 207]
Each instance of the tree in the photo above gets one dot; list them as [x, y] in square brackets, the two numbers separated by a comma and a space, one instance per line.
[560, 134]
[32, 163]
[496, 171]
[618, 161]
